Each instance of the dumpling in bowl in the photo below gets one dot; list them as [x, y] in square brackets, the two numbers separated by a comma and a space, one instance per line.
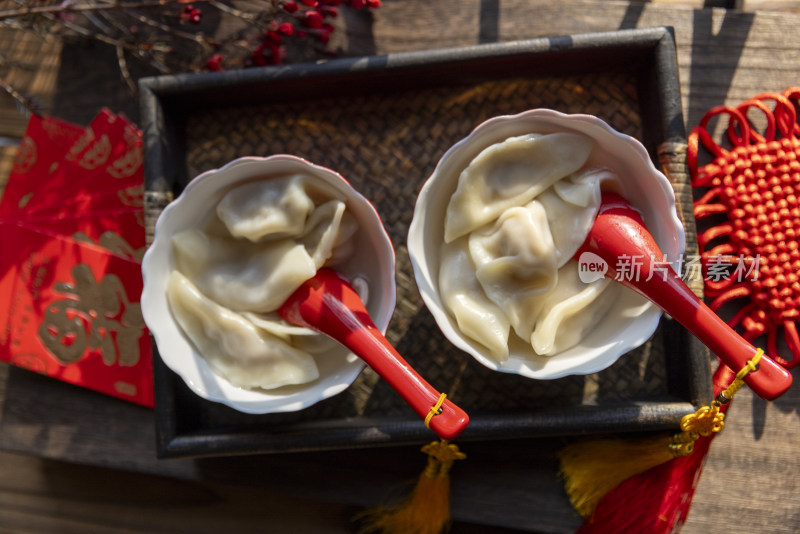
[571, 205]
[520, 212]
[477, 316]
[240, 275]
[234, 347]
[271, 209]
[569, 311]
[515, 262]
[511, 173]
[260, 243]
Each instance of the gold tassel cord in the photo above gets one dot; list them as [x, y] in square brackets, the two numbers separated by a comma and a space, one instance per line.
[435, 410]
[591, 469]
[427, 509]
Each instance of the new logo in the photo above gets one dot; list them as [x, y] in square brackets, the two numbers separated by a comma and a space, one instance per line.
[591, 267]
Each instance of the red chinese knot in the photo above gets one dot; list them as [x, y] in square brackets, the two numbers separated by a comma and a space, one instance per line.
[751, 213]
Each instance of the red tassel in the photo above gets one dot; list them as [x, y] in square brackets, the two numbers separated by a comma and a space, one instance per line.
[656, 501]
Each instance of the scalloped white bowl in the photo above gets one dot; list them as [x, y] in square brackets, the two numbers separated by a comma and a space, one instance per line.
[374, 259]
[632, 319]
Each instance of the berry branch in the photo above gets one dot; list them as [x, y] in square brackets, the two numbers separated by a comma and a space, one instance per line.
[173, 36]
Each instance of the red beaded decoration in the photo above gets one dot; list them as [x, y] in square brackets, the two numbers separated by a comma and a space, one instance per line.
[754, 186]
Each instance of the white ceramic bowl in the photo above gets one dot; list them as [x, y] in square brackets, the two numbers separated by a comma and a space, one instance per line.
[374, 260]
[631, 320]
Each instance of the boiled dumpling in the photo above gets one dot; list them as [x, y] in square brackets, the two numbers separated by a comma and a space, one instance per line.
[511, 173]
[583, 188]
[300, 337]
[321, 232]
[234, 348]
[344, 245]
[232, 273]
[277, 326]
[571, 205]
[241, 275]
[275, 208]
[515, 261]
[477, 317]
[570, 310]
[520, 212]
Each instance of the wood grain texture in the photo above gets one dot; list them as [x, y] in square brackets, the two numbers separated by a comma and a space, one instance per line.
[724, 56]
[788, 6]
[751, 469]
[30, 64]
[39, 497]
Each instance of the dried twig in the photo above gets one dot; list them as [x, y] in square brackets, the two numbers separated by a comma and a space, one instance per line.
[169, 35]
[25, 104]
[78, 8]
[123, 69]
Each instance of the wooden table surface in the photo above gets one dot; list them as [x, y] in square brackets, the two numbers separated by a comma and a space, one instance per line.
[52, 434]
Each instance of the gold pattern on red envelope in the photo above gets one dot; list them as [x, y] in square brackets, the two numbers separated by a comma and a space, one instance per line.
[72, 217]
[33, 167]
[127, 164]
[114, 243]
[131, 196]
[97, 155]
[92, 315]
[86, 139]
[26, 156]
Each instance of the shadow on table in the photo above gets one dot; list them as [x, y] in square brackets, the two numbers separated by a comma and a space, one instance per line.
[733, 30]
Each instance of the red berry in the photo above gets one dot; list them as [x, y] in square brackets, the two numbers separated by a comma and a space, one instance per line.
[290, 6]
[214, 63]
[323, 36]
[310, 3]
[271, 36]
[329, 12]
[258, 56]
[191, 14]
[313, 19]
[268, 54]
[278, 54]
[372, 4]
[286, 29]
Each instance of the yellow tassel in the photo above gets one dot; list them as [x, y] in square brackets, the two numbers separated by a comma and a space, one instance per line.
[427, 509]
[591, 469]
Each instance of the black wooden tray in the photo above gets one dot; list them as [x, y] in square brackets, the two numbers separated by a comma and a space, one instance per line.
[383, 122]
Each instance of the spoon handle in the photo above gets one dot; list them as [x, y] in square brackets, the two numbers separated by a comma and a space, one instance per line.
[448, 421]
[619, 232]
[338, 312]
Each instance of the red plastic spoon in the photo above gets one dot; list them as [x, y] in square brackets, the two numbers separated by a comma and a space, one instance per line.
[619, 232]
[328, 304]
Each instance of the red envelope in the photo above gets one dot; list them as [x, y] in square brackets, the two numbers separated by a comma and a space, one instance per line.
[85, 203]
[71, 310]
[93, 147]
[118, 231]
[45, 143]
[106, 159]
[72, 228]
